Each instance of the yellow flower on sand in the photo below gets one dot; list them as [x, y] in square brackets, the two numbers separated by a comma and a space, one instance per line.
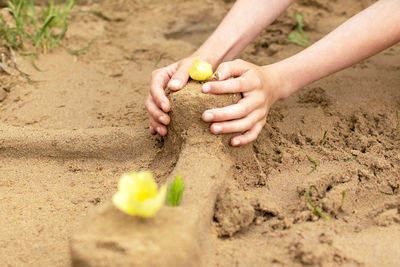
[138, 195]
[200, 71]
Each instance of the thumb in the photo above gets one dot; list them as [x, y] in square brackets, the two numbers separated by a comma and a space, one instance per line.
[232, 69]
[180, 77]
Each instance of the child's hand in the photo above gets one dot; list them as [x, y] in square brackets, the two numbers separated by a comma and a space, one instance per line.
[175, 76]
[260, 90]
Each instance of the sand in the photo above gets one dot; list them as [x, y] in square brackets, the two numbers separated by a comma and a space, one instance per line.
[66, 139]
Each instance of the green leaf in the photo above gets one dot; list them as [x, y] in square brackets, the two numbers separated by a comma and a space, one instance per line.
[175, 192]
[298, 36]
[54, 44]
[83, 49]
[44, 27]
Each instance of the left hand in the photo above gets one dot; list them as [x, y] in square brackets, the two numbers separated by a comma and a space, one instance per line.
[249, 115]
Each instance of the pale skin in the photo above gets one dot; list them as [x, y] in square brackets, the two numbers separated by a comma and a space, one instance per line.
[369, 32]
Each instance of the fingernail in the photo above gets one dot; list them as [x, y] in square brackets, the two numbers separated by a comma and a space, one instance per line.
[163, 119]
[158, 129]
[217, 75]
[235, 142]
[217, 129]
[208, 116]
[164, 107]
[151, 128]
[174, 83]
[206, 88]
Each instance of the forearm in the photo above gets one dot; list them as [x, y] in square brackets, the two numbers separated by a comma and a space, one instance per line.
[367, 33]
[242, 23]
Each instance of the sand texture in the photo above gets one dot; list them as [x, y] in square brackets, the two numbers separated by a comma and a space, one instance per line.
[66, 139]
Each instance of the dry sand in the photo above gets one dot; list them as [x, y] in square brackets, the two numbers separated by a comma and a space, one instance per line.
[66, 139]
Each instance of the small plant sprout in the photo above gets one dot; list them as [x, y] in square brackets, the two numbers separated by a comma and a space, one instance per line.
[386, 193]
[138, 195]
[175, 191]
[323, 140]
[316, 210]
[350, 159]
[297, 35]
[313, 161]
[394, 191]
[397, 121]
[200, 71]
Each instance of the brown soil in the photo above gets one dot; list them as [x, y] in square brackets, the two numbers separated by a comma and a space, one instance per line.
[66, 139]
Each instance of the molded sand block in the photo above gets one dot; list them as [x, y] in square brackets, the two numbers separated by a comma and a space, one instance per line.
[178, 236]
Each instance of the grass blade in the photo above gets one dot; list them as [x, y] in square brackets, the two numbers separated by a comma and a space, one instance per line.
[58, 38]
[32, 56]
[42, 31]
[316, 210]
[81, 50]
[323, 140]
[313, 161]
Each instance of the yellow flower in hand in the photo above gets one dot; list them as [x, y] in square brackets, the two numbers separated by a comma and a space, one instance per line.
[200, 71]
[137, 194]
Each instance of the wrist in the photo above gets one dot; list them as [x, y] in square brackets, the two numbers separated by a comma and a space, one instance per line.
[279, 81]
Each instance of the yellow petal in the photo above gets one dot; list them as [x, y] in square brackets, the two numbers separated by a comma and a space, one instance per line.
[138, 186]
[150, 206]
[120, 200]
[147, 186]
[200, 71]
[137, 194]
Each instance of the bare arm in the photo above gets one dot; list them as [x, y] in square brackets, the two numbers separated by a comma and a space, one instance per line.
[367, 33]
[245, 20]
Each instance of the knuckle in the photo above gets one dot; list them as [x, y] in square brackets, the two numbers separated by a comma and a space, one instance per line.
[238, 60]
[257, 82]
[223, 66]
[239, 84]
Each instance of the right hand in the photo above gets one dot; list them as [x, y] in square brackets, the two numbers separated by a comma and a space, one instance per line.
[175, 77]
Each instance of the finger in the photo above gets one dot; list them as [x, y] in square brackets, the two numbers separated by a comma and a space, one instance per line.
[151, 129]
[155, 112]
[180, 76]
[250, 135]
[157, 127]
[234, 126]
[236, 111]
[231, 69]
[237, 85]
[159, 80]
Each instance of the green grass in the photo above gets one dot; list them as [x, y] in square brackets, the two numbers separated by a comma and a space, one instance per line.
[313, 161]
[83, 49]
[350, 159]
[316, 210]
[297, 35]
[35, 31]
[397, 121]
[323, 140]
[386, 193]
[9, 36]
